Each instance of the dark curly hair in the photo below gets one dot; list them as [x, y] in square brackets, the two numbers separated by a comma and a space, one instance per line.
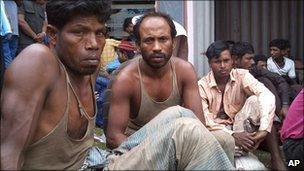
[239, 49]
[60, 12]
[216, 48]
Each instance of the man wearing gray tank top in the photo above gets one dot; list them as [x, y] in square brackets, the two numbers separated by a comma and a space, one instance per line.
[48, 105]
[155, 118]
[48, 102]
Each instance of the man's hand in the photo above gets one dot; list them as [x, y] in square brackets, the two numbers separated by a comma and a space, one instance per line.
[259, 137]
[39, 37]
[245, 140]
[284, 111]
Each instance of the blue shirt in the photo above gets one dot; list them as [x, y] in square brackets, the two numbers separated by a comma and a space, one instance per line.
[12, 15]
[4, 23]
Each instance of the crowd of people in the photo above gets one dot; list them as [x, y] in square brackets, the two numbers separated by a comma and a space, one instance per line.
[155, 113]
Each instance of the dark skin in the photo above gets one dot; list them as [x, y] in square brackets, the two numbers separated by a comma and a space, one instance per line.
[277, 55]
[157, 78]
[24, 26]
[34, 96]
[247, 62]
[221, 68]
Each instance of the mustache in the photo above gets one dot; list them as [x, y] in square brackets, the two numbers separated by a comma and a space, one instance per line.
[158, 55]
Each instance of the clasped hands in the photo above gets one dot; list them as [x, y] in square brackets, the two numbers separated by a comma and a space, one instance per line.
[249, 141]
[39, 37]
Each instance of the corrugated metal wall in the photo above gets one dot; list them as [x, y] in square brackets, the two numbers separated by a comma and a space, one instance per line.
[258, 22]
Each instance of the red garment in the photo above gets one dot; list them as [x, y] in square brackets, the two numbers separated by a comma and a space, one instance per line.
[293, 124]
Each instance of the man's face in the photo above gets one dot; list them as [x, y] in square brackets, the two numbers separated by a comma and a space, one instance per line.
[276, 52]
[246, 61]
[156, 43]
[262, 64]
[129, 29]
[221, 66]
[80, 43]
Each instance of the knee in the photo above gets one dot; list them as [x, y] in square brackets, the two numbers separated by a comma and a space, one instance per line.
[191, 130]
[177, 112]
[190, 126]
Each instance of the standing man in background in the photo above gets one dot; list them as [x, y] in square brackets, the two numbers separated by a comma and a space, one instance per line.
[32, 23]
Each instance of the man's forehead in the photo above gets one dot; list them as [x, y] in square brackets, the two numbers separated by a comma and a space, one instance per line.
[153, 21]
[274, 48]
[249, 55]
[84, 20]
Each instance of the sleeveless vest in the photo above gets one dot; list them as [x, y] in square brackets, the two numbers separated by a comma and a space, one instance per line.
[149, 108]
[56, 150]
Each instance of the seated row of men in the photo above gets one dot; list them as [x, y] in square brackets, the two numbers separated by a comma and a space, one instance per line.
[159, 116]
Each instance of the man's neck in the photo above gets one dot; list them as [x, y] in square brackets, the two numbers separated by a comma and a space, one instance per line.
[75, 78]
[79, 80]
[279, 60]
[153, 72]
[220, 81]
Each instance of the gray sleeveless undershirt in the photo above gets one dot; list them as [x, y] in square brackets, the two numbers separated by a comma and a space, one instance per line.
[149, 108]
[57, 150]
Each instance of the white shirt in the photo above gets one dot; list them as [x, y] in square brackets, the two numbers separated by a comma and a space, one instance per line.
[287, 69]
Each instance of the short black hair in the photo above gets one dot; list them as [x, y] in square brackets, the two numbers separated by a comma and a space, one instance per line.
[216, 48]
[126, 23]
[230, 43]
[154, 14]
[279, 43]
[259, 57]
[287, 44]
[239, 49]
[60, 12]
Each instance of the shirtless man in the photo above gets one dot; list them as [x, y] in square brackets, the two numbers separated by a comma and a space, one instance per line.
[143, 108]
[48, 103]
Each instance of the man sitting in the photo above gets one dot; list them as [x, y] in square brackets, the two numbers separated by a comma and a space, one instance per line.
[260, 60]
[280, 64]
[147, 129]
[243, 52]
[235, 105]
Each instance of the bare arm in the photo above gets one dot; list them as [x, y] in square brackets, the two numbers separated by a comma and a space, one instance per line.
[26, 85]
[43, 33]
[119, 111]
[190, 91]
[25, 27]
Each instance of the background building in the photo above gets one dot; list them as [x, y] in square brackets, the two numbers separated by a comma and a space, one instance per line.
[257, 22]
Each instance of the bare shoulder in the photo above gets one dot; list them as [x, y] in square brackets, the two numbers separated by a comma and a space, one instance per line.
[35, 62]
[127, 78]
[184, 69]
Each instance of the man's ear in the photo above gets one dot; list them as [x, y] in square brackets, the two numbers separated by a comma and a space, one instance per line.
[175, 39]
[52, 33]
[137, 46]
[236, 60]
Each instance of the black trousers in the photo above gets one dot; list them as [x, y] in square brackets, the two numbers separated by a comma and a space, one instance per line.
[293, 150]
